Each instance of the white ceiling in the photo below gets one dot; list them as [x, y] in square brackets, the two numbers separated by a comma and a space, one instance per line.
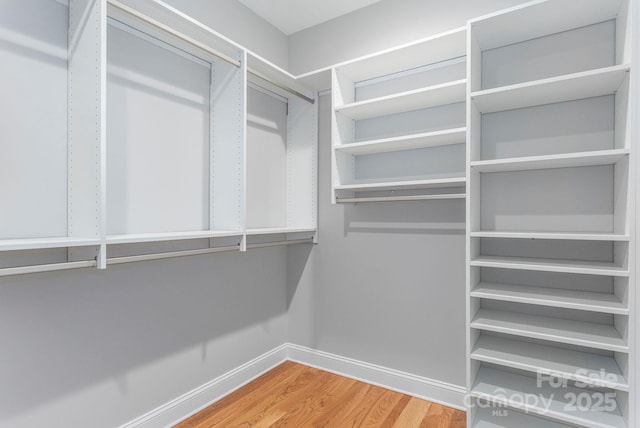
[291, 16]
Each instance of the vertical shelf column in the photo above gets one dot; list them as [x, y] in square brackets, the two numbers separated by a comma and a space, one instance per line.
[87, 123]
[228, 147]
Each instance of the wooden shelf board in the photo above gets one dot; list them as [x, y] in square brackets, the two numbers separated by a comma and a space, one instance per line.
[537, 19]
[279, 230]
[430, 50]
[44, 243]
[168, 236]
[447, 93]
[551, 265]
[404, 185]
[586, 84]
[485, 418]
[568, 160]
[407, 198]
[568, 364]
[570, 236]
[499, 386]
[408, 142]
[555, 297]
[579, 333]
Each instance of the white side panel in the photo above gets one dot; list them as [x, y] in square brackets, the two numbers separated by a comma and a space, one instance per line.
[302, 164]
[227, 146]
[33, 130]
[158, 153]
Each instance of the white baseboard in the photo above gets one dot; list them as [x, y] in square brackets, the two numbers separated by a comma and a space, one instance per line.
[192, 402]
[417, 386]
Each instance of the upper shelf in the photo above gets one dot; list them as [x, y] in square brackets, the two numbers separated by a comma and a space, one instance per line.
[277, 80]
[169, 236]
[406, 142]
[569, 236]
[279, 230]
[42, 243]
[430, 50]
[447, 93]
[565, 160]
[586, 84]
[551, 265]
[539, 18]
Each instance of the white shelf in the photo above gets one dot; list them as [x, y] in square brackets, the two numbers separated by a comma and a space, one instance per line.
[407, 198]
[486, 419]
[447, 93]
[551, 265]
[568, 160]
[43, 243]
[168, 236]
[559, 298]
[499, 387]
[408, 142]
[570, 236]
[430, 50]
[586, 84]
[592, 335]
[573, 365]
[537, 19]
[404, 185]
[279, 230]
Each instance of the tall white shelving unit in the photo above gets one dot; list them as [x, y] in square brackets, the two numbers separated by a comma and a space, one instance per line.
[150, 159]
[398, 126]
[549, 216]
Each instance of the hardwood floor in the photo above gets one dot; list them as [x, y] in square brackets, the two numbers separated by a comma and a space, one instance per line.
[293, 395]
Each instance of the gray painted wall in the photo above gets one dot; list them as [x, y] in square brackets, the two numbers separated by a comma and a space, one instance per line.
[382, 25]
[239, 23]
[98, 349]
[386, 283]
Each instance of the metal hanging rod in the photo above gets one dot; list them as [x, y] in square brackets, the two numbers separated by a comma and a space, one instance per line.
[190, 40]
[130, 11]
[402, 198]
[278, 85]
[21, 270]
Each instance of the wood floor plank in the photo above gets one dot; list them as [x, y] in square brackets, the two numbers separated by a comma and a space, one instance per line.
[413, 414]
[297, 396]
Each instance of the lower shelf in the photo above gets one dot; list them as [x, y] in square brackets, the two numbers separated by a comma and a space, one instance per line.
[551, 265]
[592, 369]
[523, 393]
[43, 243]
[407, 198]
[499, 417]
[591, 335]
[169, 236]
[404, 185]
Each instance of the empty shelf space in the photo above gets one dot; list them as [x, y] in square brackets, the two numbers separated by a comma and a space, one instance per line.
[42, 243]
[551, 265]
[408, 142]
[447, 93]
[279, 230]
[509, 388]
[485, 418]
[591, 369]
[559, 298]
[404, 185]
[430, 50]
[537, 19]
[586, 84]
[168, 236]
[592, 335]
[407, 198]
[565, 160]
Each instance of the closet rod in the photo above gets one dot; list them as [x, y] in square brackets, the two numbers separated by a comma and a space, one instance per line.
[185, 253]
[278, 85]
[21, 270]
[130, 11]
[402, 198]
